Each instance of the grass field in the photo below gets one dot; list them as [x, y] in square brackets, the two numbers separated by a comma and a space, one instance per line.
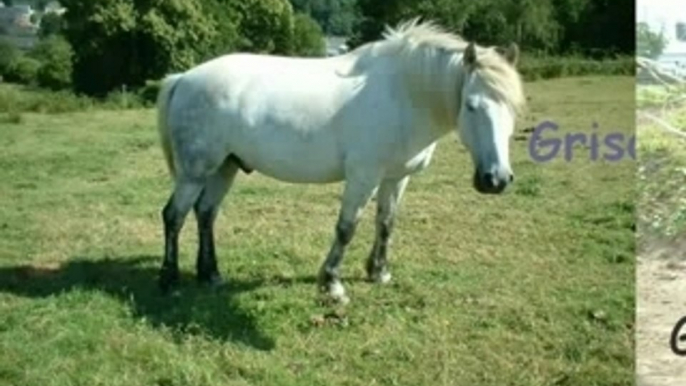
[662, 166]
[535, 287]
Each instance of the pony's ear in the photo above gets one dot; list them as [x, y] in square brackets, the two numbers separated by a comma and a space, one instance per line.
[510, 53]
[469, 57]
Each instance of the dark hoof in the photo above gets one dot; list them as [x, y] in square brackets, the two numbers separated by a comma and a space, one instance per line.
[333, 294]
[213, 280]
[382, 277]
[169, 281]
[377, 274]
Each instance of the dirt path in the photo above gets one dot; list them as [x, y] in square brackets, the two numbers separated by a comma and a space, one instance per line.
[661, 302]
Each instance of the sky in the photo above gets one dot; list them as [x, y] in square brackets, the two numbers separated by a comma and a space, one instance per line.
[660, 9]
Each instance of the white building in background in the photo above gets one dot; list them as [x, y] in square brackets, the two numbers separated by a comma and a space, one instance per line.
[54, 7]
[16, 16]
[17, 27]
[669, 17]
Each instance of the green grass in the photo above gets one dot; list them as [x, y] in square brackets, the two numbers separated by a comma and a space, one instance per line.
[662, 168]
[654, 97]
[535, 287]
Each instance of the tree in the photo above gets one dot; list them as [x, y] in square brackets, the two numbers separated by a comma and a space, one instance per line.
[649, 43]
[50, 24]
[227, 37]
[609, 27]
[569, 14]
[308, 39]
[55, 55]
[120, 42]
[336, 17]
[373, 16]
[8, 54]
[266, 26]
[592, 27]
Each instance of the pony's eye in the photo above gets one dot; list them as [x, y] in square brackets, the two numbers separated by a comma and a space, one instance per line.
[471, 107]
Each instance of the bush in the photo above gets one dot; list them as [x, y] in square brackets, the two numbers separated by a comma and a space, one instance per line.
[308, 38]
[13, 117]
[533, 68]
[24, 70]
[8, 54]
[55, 55]
[148, 93]
[120, 99]
[16, 99]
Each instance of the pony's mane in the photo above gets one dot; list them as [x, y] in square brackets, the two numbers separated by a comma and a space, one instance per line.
[502, 79]
[414, 35]
[414, 42]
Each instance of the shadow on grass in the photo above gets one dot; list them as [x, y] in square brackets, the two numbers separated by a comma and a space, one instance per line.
[198, 309]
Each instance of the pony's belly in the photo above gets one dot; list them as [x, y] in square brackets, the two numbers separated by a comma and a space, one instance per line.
[293, 163]
[301, 173]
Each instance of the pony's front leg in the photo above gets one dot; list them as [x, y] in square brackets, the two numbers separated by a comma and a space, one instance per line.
[356, 195]
[390, 193]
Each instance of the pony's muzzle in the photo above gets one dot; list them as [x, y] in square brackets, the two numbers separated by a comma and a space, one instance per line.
[492, 182]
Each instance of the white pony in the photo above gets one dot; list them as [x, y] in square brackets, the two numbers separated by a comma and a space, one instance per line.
[370, 118]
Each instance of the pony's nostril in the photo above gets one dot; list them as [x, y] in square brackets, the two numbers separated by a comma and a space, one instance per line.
[489, 180]
[511, 178]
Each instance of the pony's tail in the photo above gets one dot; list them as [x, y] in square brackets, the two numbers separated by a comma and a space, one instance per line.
[163, 98]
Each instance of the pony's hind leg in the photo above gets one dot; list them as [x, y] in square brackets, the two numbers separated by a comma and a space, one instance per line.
[388, 199]
[206, 209]
[174, 214]
[356, 195]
